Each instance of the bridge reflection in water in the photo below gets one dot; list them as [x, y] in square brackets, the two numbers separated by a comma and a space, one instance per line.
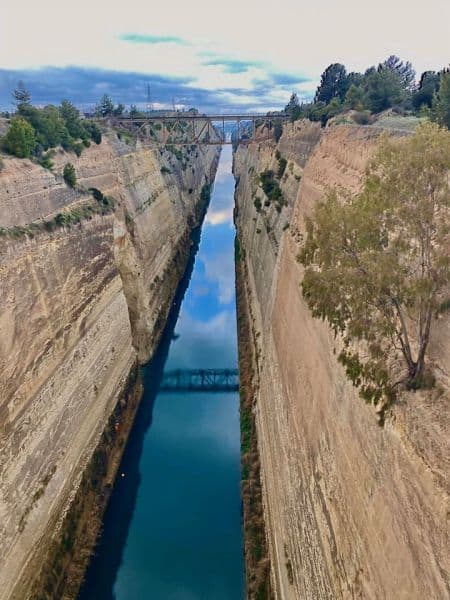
[201, 380]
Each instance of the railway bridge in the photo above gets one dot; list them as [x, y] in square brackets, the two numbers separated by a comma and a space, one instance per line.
[188, 128]
[200, 380]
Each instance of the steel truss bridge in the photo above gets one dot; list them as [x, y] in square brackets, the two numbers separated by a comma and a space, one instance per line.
[200, 380]
[188, 129]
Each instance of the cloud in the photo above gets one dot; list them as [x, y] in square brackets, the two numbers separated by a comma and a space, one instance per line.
[204, 343]
[138, 38]
[219, 269]
[288, 79]
[234, 66]
[219, 217]
[173, 40]
[84, 86]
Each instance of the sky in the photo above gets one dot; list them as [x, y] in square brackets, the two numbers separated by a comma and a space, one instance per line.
[212, 55]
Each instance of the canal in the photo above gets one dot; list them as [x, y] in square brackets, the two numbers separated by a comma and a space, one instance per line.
[172, 530]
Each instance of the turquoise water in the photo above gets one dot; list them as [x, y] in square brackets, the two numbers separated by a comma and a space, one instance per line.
[172, 530]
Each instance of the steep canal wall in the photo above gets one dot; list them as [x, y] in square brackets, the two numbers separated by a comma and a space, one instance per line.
[352, 509]
[87, 279]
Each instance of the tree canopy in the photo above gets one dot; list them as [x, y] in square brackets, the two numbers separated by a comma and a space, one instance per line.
[428, 86]
[292, 108]
[51, 126]
[441, 101]
[105, 107]
[377, 263]
[21, 95]
[333, 84]
[20, 139]
[389, 85]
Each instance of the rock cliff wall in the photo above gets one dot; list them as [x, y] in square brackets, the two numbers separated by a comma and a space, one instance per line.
[352, 509]
[80, 306]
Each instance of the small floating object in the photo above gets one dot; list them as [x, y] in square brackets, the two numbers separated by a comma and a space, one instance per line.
[123, 474]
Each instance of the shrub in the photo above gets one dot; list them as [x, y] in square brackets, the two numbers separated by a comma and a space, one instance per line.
[165, 169]
[282, 162]
[278, 131]
[77, 148]
[94, 131]
[97, 194]
[361, 117]
[45, 161]
[270, 186]
[20, 139]
[69, 175]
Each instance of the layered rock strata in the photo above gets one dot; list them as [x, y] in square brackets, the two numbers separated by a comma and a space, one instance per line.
[81, 305]
[352, 509]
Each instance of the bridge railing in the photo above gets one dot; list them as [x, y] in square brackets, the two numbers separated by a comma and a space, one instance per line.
[192, 129]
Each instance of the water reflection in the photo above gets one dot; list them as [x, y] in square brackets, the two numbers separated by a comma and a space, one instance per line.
[173, 527]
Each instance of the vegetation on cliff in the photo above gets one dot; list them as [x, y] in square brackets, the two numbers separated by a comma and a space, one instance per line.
[257, 562]
[85, 211]
[390, 85]
[378, 266]
[69, 175]
[34, 130]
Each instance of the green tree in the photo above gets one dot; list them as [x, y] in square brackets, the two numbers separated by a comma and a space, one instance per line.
[440, 111]
[72, 121]
[93, 130]
[48, 125]
[403, 70]
[332, 109]
[292, 108]
[354, 78]
[428, 86]
[377, 263]
[333, 84]
[21, 95]
[383, 89]
[69, 175]
[105, 107]
[20, 138]
[118, 110]
[354, 97]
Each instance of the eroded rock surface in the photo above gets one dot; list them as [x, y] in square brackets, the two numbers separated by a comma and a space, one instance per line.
[352, 510]
[80, 306]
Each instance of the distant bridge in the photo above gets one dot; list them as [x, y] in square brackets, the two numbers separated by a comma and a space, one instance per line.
[201, 380]
[187, 129]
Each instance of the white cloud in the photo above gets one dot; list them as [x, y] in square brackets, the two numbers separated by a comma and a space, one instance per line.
[300, 36]
[219, 269]
[219, 217]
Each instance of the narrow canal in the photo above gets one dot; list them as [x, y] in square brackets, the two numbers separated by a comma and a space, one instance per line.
[172, 530]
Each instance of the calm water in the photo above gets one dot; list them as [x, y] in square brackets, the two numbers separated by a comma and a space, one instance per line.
[173, 526]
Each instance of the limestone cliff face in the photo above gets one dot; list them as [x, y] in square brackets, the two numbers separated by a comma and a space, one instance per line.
[79, 307]
[352, 510]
